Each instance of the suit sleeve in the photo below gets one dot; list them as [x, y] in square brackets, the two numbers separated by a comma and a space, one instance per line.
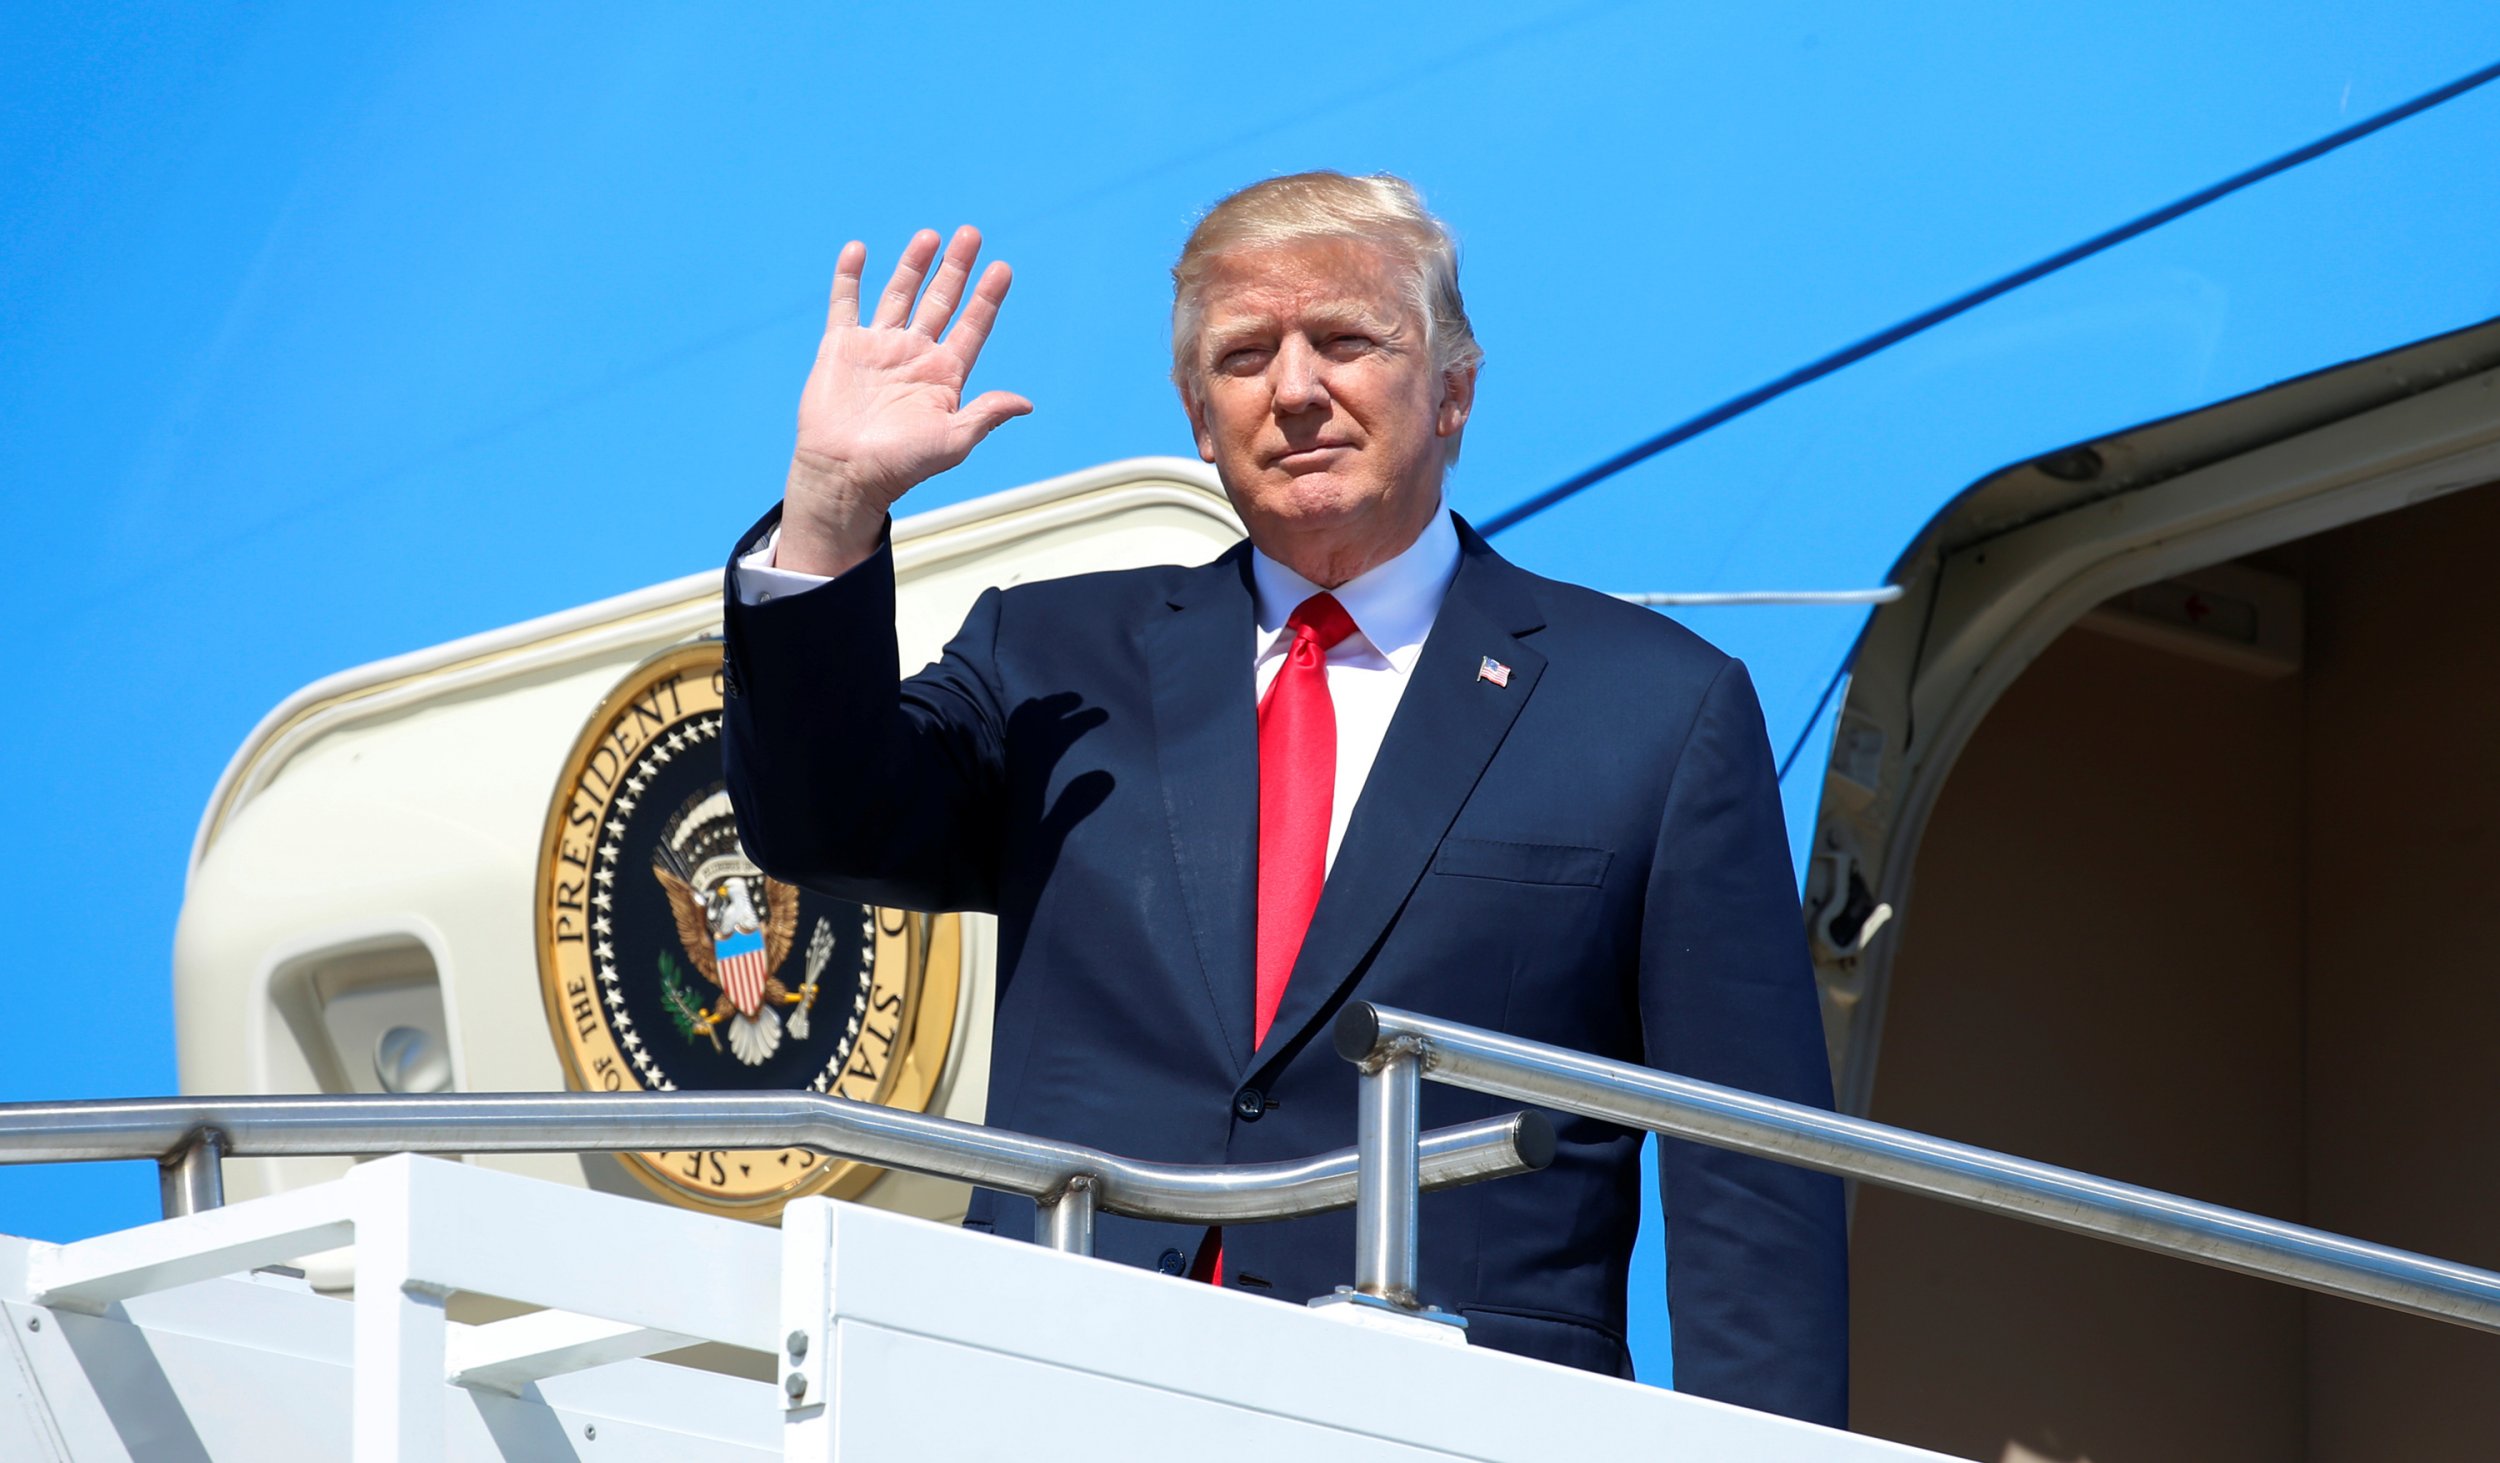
[1757, 1281]
[845, 777]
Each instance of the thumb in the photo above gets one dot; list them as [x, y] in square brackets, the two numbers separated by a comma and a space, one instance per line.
[981, 416]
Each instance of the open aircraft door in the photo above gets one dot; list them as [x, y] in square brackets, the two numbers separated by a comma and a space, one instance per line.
[2156, 839]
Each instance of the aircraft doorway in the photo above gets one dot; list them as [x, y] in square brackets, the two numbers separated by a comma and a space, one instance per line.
[2215, 917]
[2152, 842]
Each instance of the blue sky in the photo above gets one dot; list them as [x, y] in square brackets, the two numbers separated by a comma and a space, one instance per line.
[336, 331]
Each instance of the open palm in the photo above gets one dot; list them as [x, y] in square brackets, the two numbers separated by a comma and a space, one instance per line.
[883, 409]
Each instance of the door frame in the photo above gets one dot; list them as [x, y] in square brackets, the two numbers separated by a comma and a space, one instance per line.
[1974, 617]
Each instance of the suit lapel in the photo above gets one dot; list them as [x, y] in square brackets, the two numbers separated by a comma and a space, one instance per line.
[1207, 750]
[1448, 725]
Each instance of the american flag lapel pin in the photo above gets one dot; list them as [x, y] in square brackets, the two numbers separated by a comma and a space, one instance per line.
[1494, 671]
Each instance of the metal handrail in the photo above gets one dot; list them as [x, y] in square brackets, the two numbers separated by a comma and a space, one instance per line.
[1397, 1050]
[1071, 1182]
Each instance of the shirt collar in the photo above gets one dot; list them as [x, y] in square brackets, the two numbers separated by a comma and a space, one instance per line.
[1392, 604]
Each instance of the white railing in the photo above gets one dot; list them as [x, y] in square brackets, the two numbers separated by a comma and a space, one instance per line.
[1399, 1050]
[191, 1137]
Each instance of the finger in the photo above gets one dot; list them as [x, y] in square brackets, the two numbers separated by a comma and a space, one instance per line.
[894, 306]
[937, 302]
[981, 312]
[982, 415]
[846, 270]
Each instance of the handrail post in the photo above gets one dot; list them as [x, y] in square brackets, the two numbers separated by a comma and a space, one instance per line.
[1387, 1175]
[192, 1178]
[1068, 1219]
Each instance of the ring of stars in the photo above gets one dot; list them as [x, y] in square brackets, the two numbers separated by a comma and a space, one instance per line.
[605, 871]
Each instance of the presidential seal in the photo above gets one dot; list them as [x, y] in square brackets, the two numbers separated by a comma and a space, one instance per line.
[670, 962]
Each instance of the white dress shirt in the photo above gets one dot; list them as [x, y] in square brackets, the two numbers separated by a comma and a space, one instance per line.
[1392, 605]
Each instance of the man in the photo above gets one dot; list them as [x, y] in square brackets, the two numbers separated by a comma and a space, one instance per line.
[1360, 755]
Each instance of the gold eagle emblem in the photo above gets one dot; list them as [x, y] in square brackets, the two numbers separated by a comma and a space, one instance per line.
[705, 974]
[713, 895]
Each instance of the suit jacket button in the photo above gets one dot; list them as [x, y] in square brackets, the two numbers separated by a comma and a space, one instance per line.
[1172, 1263]
[1248, 1103]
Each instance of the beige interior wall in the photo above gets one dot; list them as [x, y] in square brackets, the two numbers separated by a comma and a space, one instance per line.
[2228, 936]
[2100, 967]
[2404, 963]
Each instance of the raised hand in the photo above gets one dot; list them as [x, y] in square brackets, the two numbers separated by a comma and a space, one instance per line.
[883, 409]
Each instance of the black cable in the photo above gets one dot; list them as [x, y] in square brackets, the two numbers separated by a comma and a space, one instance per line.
[1737, 406]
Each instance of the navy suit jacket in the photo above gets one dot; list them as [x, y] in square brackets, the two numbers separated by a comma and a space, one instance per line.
[1592, 855]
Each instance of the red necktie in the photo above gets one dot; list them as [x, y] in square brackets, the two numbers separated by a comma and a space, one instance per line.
[1297, 790]
[1297, 787]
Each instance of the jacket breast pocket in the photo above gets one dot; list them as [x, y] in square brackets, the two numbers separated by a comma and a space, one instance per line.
[1522, 863]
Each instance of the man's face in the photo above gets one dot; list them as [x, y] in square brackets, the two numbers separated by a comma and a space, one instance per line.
[1319, 406]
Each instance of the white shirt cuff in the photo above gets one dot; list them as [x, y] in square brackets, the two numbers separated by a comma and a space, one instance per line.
[758, 580]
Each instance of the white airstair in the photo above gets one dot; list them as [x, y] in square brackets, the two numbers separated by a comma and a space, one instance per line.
[893, 1338]
[869, 1335]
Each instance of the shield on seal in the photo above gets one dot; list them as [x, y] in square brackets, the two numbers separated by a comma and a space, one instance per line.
[742, 969]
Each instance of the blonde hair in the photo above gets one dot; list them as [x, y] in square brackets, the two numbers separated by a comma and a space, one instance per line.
[1382, 210]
